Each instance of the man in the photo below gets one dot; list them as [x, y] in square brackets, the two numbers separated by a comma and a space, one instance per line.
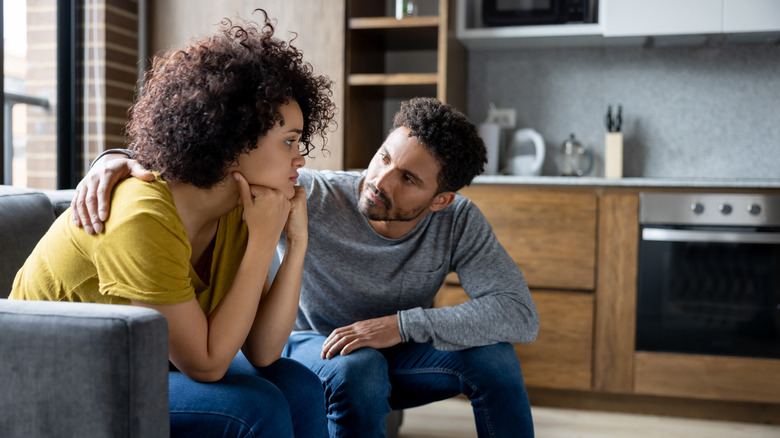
[380, 245]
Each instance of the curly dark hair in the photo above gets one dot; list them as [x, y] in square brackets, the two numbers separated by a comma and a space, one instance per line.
[450, 137]
[204, 105]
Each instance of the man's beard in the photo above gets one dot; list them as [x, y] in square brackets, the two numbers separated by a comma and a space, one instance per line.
[378, 212]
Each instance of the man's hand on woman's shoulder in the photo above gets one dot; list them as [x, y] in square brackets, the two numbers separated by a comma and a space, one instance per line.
[91, 204]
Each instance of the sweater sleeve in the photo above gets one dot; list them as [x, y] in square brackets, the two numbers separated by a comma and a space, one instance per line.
[501, 308]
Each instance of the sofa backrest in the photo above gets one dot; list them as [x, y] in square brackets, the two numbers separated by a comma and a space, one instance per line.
[25, 216]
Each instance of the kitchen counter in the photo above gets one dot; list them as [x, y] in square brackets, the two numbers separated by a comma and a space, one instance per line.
[630, 182]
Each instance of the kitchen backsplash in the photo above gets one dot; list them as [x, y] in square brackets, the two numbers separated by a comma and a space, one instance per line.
[688, 112]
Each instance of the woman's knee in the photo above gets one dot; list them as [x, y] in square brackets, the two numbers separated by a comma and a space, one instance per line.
[260, 404]
[243, 405]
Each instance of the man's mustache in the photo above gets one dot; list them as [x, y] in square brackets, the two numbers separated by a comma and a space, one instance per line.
[379, 194]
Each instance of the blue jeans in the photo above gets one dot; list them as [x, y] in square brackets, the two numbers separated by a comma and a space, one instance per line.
[284, 399]
[362, 387]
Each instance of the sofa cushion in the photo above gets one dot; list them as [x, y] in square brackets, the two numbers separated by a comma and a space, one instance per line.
[25, 216]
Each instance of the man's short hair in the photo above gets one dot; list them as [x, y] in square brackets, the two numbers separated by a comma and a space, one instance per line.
[450, 137]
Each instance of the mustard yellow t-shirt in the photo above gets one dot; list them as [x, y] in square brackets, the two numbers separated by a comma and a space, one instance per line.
[142, 255]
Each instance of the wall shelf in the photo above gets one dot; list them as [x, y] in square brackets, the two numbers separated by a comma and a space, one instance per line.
[357, 80]
[392, 22]
[389, 61]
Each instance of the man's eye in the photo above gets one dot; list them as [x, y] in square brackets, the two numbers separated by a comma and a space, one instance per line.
[409, 179]
[384, 157]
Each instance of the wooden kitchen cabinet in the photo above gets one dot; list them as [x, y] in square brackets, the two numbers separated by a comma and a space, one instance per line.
[616, 292]
[389, 61]
[708, 377]
[560, 357]
[551, 234]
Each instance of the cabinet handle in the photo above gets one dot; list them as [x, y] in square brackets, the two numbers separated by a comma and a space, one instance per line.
[667, 235]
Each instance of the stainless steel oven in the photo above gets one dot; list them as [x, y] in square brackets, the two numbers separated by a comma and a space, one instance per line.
[709, 274]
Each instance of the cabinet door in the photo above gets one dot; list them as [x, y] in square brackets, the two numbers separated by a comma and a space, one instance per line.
[660, 17]
[707, 377]
[561, 356]
[751, 15]
[550, 234]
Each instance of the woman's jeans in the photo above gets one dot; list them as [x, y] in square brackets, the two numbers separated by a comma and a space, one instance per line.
[284, 399]
[362, 387]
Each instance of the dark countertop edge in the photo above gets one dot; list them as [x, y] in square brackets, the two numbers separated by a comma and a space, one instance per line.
[629, 182]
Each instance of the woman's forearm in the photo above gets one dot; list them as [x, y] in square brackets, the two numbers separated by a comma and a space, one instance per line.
[203, 347]
[278, 309]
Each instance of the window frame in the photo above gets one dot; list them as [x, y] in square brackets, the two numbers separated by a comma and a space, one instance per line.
[69, 110]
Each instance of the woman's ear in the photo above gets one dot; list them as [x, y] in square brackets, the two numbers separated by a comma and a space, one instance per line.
[442, 200]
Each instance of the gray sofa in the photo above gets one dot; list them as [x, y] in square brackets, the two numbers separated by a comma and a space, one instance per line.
[73, 369]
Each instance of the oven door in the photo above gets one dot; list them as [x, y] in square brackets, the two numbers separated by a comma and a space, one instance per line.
[709, 290]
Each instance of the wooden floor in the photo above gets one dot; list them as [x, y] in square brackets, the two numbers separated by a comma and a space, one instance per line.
[453, 419]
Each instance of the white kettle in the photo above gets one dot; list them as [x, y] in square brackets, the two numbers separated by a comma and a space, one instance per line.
[526, 153]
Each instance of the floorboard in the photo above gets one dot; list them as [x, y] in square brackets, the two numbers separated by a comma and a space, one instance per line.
[453, 419]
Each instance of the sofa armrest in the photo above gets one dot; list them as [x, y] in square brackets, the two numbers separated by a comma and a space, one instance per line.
[79, 369]
[60, 199]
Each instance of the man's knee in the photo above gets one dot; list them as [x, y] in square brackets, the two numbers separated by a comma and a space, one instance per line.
[361, 376]
[496, 365]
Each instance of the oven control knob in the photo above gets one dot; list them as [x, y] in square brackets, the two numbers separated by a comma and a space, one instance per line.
[754, 209]
[697, 208]
[725, 208]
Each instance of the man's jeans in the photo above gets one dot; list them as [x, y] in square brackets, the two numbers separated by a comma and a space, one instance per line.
[284, 399]
[362, 387]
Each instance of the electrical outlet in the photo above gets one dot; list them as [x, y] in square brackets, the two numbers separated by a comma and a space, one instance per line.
[504, 117]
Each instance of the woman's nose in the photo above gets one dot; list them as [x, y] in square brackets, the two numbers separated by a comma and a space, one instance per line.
[299, 160]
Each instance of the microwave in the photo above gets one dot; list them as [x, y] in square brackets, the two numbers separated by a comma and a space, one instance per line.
[526, 12]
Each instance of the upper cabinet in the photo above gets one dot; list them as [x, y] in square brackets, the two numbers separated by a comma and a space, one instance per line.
[660, 17]
[751, 15]
[628, 22]
[676, 17]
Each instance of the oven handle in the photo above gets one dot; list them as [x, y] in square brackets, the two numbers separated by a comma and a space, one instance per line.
[667, 235]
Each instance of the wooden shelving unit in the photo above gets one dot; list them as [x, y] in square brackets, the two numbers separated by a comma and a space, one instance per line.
[389, 61]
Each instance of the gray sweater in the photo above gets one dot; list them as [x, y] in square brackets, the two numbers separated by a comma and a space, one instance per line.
[351, 273]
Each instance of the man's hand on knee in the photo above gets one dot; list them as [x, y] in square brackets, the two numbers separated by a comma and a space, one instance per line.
[375, 333]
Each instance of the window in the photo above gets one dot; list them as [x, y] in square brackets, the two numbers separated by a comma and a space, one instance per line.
[30, 93]
[69, 70]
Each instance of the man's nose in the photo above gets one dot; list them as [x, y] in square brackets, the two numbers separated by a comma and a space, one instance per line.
[384, 180]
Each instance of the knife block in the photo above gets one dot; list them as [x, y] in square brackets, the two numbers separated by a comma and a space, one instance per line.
[613, 155]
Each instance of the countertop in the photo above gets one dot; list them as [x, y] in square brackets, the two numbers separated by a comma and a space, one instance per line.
[630, 182]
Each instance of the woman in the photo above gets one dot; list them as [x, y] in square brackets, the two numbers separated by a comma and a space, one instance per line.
[222, 124]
